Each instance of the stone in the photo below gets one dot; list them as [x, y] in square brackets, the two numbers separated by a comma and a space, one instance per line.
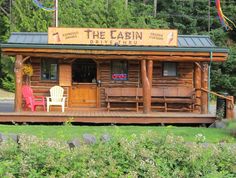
[89, 139]
[105, 138]
[213, 125]
[3, 138]
[220, 124]
[205, 145]
[14, 137]
[75, 143]
[10, 136]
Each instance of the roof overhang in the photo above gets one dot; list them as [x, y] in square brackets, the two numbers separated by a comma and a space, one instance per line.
[189, 48]
[117, 52]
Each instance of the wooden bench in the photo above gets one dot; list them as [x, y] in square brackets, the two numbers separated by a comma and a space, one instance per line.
[123, 97]
[158, 98]
[174, 95]
[164, 97]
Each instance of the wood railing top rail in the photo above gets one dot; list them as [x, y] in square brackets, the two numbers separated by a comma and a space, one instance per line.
[214, 93]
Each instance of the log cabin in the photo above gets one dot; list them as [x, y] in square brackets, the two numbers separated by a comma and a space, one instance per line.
[144, 70]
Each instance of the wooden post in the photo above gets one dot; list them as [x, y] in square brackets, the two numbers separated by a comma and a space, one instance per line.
[146, 88]
[149, 75]
[204, 83]
[18, 83]
[230, 108]
[149, 72]
[98, 85]
[197, 76]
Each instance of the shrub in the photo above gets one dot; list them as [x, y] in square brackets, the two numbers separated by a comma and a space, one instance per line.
[231, 127]
[148, 155]
[8, 83]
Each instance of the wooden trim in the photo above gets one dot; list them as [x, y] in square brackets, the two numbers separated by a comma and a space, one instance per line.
[197, 82]
[214, 93]
[97, 52]
[170, 58]
[26, 58]
[204, 83]
[230, 107]
[113, 117]
[150, 71]
[229, 103]
[98, 87]
[198, 65]
[18, 82]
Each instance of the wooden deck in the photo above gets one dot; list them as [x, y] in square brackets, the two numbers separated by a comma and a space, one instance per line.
[107, 117]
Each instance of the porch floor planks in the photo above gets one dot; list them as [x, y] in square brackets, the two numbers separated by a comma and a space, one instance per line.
[107, 117]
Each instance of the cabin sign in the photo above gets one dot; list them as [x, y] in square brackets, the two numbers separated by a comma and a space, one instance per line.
[105, 36]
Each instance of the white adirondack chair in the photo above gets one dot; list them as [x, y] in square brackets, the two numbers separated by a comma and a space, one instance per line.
[56, 98]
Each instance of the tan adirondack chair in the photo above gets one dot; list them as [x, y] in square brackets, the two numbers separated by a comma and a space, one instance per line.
[56, 98]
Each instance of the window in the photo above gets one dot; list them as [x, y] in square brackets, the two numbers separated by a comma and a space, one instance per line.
[119, 70]
[169, 69]
[49, 69]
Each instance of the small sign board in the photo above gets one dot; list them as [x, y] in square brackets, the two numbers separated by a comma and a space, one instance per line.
[112, 36]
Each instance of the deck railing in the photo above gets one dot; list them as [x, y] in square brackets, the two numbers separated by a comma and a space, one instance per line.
[229, 103]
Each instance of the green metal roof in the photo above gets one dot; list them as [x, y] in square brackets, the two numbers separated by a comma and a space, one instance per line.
[195, 43]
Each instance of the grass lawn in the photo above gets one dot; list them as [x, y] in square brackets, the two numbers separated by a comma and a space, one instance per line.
[68, 132]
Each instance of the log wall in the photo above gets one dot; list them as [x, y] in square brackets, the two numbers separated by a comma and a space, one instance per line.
[42, 87]
[185, 75]
[134, 75]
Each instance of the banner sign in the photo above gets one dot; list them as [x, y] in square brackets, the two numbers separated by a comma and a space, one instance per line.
[112, 36]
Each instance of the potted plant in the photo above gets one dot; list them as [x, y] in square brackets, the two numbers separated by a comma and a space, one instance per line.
[27, 73]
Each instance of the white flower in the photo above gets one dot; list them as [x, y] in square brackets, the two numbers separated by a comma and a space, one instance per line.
[200, 138]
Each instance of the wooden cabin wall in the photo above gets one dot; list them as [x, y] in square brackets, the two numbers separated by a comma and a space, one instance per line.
[105, 77]
[42, 87]
[184, 75]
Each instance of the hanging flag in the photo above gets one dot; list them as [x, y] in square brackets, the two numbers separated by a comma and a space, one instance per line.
[42, 7]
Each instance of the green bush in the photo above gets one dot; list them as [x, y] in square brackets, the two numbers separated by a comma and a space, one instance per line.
[147, 155]
[231, 127]
[8, 83]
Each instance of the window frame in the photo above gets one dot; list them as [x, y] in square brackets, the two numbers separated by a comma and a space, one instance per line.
[127, 70]
[49, 62]
[176, 69]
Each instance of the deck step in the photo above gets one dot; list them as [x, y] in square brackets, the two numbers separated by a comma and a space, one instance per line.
[108, 117]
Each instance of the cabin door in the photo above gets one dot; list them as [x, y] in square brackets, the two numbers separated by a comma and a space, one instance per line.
[84, 91]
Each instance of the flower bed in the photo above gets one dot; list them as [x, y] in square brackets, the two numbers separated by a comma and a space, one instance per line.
[146, 155]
